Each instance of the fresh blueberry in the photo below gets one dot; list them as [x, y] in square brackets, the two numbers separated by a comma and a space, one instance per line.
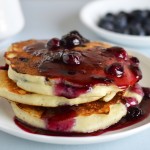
[139, 15]
[146, 26]
[110, 17]
[104, 23]
[123, 13]
[120, 20]
[136, 22]
[126, 30]
[136, 29]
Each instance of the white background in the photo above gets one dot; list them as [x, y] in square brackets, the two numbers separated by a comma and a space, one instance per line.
[53, 18]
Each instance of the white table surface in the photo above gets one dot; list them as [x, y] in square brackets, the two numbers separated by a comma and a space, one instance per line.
[53, 18]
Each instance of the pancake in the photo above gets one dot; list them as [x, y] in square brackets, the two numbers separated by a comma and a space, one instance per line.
[36, 84]
[84, 118]
[40, 84]
[70, 84]
[38, 69]
[10, 91]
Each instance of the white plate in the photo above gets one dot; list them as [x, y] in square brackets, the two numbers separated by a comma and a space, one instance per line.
[93, 11]
[7, 123]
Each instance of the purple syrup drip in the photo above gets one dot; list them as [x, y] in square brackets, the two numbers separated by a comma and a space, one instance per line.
[69, 91]
[66, 125]
[60, 119]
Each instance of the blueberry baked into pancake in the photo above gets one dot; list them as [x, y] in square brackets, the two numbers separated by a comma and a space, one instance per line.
[70, 85]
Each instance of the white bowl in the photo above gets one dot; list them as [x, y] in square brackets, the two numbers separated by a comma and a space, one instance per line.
[11, 18]
[93, 11]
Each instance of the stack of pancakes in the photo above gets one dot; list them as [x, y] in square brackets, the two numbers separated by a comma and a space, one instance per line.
[47, 98]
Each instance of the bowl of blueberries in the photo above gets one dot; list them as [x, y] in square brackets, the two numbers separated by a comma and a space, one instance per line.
[120, 21]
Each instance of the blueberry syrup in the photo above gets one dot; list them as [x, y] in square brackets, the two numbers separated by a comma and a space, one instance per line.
[69, 91]
[135, 114]
[65, 60]
[59, 64]
[56, 58]
[59, 119]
